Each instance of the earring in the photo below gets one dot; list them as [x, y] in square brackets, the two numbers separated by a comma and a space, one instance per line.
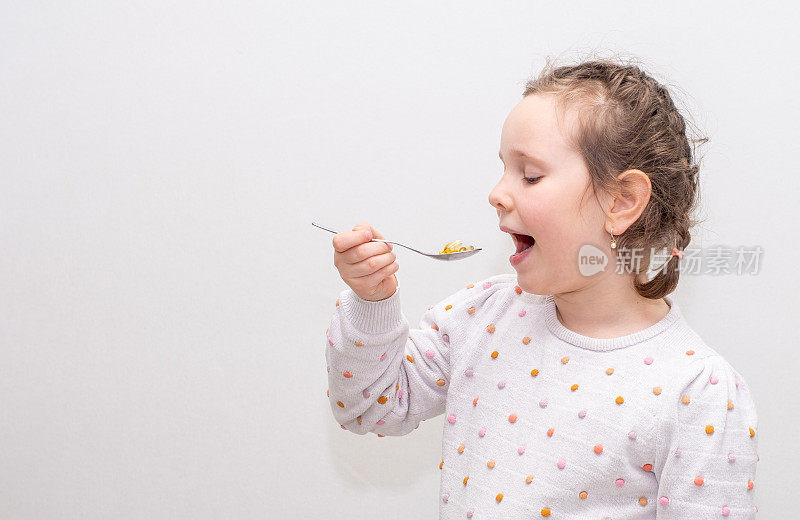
[613, 240]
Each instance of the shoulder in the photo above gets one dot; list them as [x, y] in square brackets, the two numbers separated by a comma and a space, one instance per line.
[709, 386]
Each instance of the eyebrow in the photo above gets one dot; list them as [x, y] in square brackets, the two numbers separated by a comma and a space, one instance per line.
[528, 156]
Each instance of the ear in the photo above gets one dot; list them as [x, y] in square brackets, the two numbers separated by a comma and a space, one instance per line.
[629, 203]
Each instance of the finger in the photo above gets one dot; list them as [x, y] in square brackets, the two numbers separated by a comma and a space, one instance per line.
[348, 239]
[362, 252]
[366, 226]
[371, 265]
[375, 279]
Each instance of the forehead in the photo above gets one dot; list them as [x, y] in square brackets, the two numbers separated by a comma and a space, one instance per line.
[535, 126]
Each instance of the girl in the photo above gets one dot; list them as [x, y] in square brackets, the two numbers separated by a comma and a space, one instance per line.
[575, 388]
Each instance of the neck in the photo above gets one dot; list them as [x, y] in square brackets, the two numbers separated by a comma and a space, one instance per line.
[608, 309]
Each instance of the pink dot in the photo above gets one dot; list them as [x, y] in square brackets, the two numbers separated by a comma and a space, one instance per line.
[481, 432]
[469, 513]
[737, 383]
[365, 393]
[561, 463]
[725, 511]
[383, 356]
[522, 313]
[487, 285]
[619, 482]
[501, 385]
[468, 372]
[543, 403]
[451, 418]
[330, 340]
[380, 422]
[446, 338]
[521, 450]
[400, 394]
[328, 368]
[445, 497]
[582, 414]
[677, 452]
[648, 360]
[632, 435]
[663, 501]
[430, 354]
[731, 458]
[713, 380]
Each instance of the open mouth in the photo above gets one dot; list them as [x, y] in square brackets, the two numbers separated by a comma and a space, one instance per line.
[523, 242]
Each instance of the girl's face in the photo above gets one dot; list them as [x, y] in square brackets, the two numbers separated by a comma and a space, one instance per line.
[533, 145]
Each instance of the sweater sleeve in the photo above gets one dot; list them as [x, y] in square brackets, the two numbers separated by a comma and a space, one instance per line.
[383, 376]
[707, 446]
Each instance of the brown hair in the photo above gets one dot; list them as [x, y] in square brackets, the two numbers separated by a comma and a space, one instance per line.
[626, 119]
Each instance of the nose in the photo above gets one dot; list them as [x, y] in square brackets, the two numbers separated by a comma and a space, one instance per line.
[499, 198]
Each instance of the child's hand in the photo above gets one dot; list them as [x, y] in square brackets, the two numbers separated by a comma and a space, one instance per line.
[367, 267]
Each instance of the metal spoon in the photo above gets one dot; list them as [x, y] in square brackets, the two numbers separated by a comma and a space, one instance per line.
[444, 256]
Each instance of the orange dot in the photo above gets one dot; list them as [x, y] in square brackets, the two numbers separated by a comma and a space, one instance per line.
[550, 432]
[685, 399]
[495, 354]
[447, 308]
[340, 403]
[709, 429]
[647, 467]
[642, 501]
[465, 480]
[358, 420]
[657, 390]
[434, 327]
[512, 418]
[499, 497]
[382, 399]
[337, 302]
[408, 357]
[490, 328]
[347, 374]
[440, 382]
[471, 310]
[490, 464]
[583, 495]
[546, 511]
[598, 448]
[609, 371]
[565, 359]
[529, 479]
[441, 464]
[329, 392]
[750, 484]
[359, 344]
[698, 481]
[619, 399]
[730, 405]
[475, 402]
[752, 432]
[461, 448]
[574, 387]
[526, 340]
[689, 352]
[518, 289]
[470, 286]
[535, 372]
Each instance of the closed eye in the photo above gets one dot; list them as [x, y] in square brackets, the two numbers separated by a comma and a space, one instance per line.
[531, 180]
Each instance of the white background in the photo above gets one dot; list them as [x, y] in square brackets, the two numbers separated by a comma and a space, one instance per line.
[165, 297]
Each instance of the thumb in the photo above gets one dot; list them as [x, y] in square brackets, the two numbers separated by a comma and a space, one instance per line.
[368, 227]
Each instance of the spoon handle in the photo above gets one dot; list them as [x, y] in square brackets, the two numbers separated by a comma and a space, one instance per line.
[375, 240]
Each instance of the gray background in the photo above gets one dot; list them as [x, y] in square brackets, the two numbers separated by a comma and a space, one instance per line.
[165, 297]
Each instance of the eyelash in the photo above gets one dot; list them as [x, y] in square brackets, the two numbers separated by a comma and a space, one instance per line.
[531, 180]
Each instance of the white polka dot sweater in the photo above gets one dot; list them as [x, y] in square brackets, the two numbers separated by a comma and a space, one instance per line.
[543, 422]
